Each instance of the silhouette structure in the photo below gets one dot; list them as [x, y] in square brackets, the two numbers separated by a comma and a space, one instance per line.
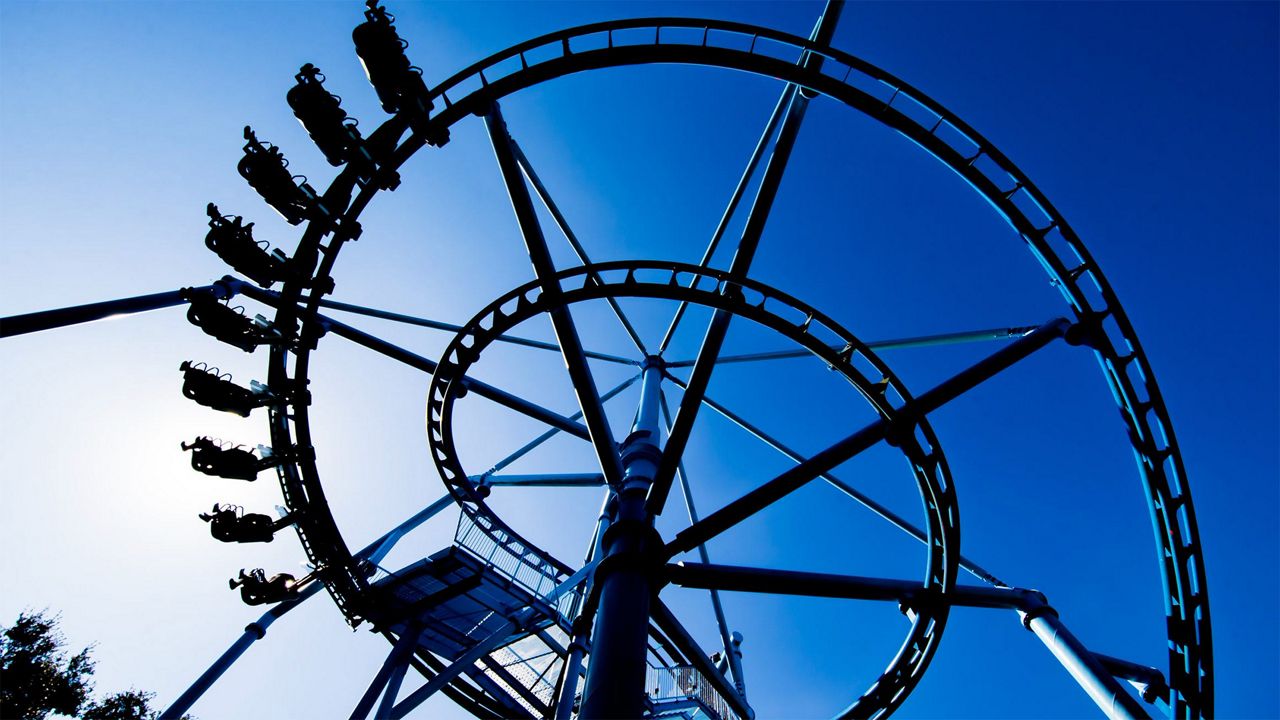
[501, 626]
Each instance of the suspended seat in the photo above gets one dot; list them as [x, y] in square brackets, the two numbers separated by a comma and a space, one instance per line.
[233, 241]
[267, 171]
[256, 589]
[229, 324]
[223, 460]
[212, 389]
[229, 523]
[398, 82]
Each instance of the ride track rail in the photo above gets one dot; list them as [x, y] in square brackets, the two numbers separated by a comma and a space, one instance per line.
[814, 331]
[845, 79]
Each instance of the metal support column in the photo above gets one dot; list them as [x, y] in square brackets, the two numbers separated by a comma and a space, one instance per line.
[569, 686]
[615, 677]
[584, 386]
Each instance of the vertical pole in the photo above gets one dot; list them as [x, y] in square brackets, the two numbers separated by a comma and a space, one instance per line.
[615, 677]
[734, 652]
[1082, 664]
[569, 686]
[594, 548]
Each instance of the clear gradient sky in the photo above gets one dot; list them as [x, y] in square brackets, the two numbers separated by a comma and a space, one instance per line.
[1153, 128]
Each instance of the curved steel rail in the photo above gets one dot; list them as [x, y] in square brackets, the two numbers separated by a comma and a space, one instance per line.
[814, 331]
[872, 91]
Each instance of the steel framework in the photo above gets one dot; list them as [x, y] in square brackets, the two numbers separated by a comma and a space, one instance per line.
[506, 629]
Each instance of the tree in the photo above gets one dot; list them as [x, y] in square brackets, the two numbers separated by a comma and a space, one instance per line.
[37, 678]
[127, 705]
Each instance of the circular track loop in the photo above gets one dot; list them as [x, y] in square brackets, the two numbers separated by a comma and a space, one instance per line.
[816, 332]
[879, 95]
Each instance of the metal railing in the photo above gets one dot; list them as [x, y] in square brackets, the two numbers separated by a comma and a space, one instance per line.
[684, 682]
[514, 560]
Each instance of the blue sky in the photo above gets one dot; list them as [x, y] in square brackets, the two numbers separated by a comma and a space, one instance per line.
[1152, 127]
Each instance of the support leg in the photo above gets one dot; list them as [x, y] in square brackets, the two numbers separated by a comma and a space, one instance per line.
[388, 678]
[1102, 688]
[253, 632]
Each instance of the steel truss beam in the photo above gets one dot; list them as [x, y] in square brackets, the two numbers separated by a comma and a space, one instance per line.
[544, 480]
[822, 33]
[534, 443]
[62, 317]
[569, 235]
[754, 161]
[465, 694]
[386, 683]
[726, 639]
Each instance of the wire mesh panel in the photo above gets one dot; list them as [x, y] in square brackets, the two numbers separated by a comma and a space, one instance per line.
[527, 568]
[534, 663]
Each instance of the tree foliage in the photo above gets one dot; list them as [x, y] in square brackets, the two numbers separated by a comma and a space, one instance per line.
[127, 705]
[38, 677]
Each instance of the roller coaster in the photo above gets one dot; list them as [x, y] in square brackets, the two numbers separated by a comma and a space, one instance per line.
[503, 627]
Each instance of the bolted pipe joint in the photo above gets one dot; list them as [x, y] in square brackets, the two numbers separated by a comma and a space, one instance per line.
[633, 545]
[1033, 605]
[640, 457]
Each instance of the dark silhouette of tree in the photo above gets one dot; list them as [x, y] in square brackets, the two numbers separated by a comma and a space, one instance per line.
[127, 705]
[38, 678]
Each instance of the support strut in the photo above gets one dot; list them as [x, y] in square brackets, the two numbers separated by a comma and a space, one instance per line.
[61, 317]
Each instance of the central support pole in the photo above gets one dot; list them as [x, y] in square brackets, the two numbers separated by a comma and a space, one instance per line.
[627, 575]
